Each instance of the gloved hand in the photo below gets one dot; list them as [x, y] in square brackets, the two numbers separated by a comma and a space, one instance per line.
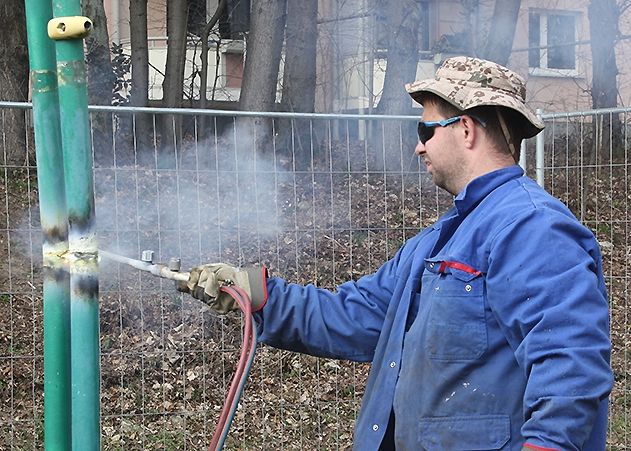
[205, 281]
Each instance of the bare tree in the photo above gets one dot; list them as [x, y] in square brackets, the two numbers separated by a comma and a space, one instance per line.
[403, 19]
[100, 78]
[605, 31]
[172, 86]
[139, 53]
[499, 40]
[262, 59]
[203, 84]
[177, 12]
[299, 74]
[140, 72]
[264, 45]
[14, 76]
[99, 62]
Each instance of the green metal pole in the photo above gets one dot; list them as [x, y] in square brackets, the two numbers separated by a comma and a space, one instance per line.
[52, 206]
[82, 257]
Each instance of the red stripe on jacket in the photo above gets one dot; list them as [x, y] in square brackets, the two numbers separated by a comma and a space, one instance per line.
[539, 448]
[460, 266]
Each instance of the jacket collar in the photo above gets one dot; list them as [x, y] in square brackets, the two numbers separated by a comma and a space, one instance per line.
[480, 187]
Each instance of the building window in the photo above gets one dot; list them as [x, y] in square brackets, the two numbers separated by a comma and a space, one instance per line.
[552, 41]
[384, 32]
[234, 69]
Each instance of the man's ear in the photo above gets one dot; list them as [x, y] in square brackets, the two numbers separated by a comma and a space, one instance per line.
[469, 128]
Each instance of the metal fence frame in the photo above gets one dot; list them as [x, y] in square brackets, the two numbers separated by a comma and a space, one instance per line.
[537, 158]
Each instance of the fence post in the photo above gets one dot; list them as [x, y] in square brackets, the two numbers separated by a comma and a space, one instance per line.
[68, 30]
[522, 155]
[54, 221]
[539, 164]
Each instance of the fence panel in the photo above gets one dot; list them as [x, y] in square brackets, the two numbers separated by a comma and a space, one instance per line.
[586, 165]
[309, 198]
[21, 353]
[316, 198]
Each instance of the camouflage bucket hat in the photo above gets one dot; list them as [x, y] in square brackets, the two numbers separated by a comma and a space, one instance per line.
[467, 82]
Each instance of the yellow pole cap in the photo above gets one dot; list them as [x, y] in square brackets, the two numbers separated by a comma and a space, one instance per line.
[73, 27]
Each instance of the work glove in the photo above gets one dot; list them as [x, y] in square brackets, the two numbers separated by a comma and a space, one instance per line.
[205, 282]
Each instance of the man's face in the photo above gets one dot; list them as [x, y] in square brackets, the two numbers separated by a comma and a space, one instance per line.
[442, 153]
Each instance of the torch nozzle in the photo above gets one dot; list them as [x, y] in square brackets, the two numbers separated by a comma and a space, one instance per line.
[157, 269]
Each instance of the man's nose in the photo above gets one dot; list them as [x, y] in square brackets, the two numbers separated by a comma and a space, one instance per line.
[420, 148]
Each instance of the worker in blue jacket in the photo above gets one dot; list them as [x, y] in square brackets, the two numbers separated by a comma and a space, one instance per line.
[488, 330]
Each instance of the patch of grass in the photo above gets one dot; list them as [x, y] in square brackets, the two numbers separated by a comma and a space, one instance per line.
[106, 343]
[167, 439]
[359, 237]
[18, 181]
[616, 437]
[176, 300]
[603, 229]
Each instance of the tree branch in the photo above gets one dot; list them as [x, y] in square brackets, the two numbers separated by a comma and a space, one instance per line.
[623, 6]
[203, 82]
[214, 19]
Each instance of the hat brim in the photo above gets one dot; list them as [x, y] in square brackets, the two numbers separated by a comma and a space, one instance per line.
[464, 96]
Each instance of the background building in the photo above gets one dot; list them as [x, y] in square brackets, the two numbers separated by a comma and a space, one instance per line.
[551, 48]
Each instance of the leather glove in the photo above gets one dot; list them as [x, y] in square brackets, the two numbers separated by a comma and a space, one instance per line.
[205, 281]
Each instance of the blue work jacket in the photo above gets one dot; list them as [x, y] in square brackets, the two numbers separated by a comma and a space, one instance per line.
[487, 331]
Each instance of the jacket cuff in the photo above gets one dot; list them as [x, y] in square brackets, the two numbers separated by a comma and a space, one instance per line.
[257, 277]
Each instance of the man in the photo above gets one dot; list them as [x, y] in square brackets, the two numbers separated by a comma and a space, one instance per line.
[486, 331]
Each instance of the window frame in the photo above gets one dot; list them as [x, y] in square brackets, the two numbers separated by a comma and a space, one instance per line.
[543, 69]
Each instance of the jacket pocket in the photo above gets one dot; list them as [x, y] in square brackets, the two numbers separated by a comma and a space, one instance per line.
[456, 323]
[481, 432]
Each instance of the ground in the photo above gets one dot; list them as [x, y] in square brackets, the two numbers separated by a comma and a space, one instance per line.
[167, 360]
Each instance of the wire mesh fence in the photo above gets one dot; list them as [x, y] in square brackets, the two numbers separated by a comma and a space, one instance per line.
[586, 165]
[318, 199]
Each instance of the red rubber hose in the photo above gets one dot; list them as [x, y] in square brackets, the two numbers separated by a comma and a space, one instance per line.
[247, 348]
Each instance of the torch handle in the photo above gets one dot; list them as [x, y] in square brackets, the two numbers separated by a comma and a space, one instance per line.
[156, 269]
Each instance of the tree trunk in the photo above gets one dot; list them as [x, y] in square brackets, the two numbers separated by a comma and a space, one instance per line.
[139, 53]
[143, 125]
[604, 29]
[101, 79]
[99, 62]
[260, 73]
[14, 76]
[299, 75]
[172, 86]
[499, 41]
[264, 45]
[403, 18]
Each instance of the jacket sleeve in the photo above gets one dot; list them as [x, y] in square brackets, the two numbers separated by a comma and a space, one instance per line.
[546, 290]
[343, 324]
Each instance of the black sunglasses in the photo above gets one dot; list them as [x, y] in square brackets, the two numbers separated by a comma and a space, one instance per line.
[426, 129]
